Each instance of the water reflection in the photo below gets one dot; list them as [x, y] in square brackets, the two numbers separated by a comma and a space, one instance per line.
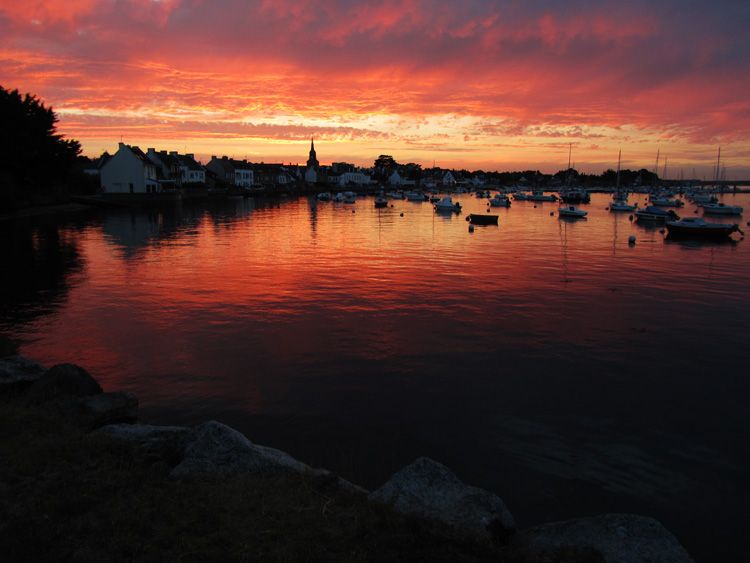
[42, 262]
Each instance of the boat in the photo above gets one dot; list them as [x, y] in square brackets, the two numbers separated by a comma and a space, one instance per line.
[697, 227]
[500, 200]
[520, 196]
[447, 204]
[572, 212]
[381, 202]
[339, 197]
[415, 196]
[324, 196]
[656, 214]
[621, 205]
[539, 196]
[349, 197]
[479, 219]
[434, 198]
[721, 209]
[665, 202]
[396, 194]
[575, 195]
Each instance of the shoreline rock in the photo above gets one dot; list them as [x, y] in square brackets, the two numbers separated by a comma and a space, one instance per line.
[429, 490]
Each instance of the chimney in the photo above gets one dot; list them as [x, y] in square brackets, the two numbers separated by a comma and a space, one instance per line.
[190, 155]
[121, 145]
[223, 157]
[150, 150]
[213, 157]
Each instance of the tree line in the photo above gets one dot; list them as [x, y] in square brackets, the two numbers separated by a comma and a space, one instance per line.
[37, 164]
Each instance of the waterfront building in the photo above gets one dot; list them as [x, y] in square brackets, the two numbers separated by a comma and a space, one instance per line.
[129, 170]
[232, 172]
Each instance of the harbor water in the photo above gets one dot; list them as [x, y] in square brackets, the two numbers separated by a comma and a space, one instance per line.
[547, 360]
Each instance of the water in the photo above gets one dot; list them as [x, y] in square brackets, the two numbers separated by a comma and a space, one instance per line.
[544, 359]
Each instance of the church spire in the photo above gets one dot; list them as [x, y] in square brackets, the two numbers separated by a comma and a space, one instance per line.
[312, 161]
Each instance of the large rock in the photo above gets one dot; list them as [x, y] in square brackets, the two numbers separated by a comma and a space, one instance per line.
[429, 490]
[100, 410]
[610, 538]
[61, 381]
[18, 373]
[216, 450]
[164, 442]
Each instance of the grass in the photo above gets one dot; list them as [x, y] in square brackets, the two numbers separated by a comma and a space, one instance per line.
[68, 495]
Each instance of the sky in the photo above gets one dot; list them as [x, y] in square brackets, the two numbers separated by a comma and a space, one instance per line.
[478, 84]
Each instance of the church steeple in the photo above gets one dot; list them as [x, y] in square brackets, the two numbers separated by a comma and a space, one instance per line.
[312, 161]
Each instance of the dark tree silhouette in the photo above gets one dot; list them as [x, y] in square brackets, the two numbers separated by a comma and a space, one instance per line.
[34, 158]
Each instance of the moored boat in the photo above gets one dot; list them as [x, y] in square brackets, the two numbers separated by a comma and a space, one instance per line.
[700, 228]
[479, 219]
[656, 214]
[572, 212]
[381, 202]
[721, 209]
[447, 204]
[500, 200]
[621, 205]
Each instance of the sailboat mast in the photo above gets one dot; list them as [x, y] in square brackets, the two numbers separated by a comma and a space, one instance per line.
[570, 152]
[619, 155]
[718, 163]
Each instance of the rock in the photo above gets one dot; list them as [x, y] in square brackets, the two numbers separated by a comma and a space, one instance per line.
[63, 380]
[18, 373]
[164, 442]
[611, 538]
[216, 450]
[103, 409]
[429, 490]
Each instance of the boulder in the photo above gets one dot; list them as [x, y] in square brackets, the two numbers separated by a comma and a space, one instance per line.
[60, 381]
[18, 373]
[610, 538]
[216, 450]
[103, 409]
[164, 442]
[429, 490]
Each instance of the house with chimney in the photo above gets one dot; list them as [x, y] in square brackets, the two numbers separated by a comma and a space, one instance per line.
[129, 170]
[232, 172]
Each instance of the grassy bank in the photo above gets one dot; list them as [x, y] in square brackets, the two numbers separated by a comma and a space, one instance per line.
[69, 495]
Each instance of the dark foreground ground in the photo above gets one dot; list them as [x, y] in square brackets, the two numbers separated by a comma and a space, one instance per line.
[68, 495]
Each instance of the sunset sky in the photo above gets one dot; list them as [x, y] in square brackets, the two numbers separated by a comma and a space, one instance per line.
[485, 84]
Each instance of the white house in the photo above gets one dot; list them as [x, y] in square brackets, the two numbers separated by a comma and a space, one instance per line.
[357, 178]
[395, 179]
[129, 171]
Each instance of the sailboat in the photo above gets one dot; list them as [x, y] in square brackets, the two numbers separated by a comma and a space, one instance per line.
[720, 208]
[620, 198]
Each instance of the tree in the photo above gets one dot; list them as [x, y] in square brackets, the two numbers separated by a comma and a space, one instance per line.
[33, 156]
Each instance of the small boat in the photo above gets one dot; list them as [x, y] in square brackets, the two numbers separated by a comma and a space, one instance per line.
[656, 214]
[415, 196]
[539, 196]
[339, 197]
[479, 219]
[520, 196]
[666, 202]
[721, 209]
[324, 196]
[381, 202]
[572, 212]
[396, 195]
[698, 228]
[447, 204]
[434, 199]
[575, 195]
[349, 197]
[621, 205]
[500, 200]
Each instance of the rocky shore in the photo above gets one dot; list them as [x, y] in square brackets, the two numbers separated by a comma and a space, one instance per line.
[423, 511]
